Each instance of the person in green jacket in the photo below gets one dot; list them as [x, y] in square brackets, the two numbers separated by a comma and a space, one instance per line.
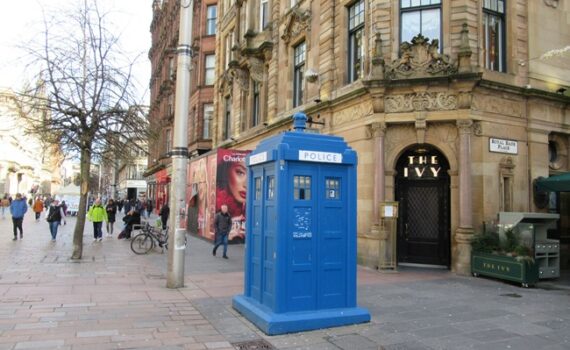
[97, 214]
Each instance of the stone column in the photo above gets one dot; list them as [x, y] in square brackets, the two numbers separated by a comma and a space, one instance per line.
[378, 132]
[464, 232]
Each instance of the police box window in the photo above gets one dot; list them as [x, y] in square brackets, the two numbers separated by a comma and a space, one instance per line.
[332, 188]
[302, 188]
[257, 188]
[270, 187]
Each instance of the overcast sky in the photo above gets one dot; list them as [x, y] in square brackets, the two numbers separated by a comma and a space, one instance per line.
[21, 19]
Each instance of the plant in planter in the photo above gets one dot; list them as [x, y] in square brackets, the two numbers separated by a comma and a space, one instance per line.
[501, 253]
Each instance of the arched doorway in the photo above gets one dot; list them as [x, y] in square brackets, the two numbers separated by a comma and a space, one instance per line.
[422, 189]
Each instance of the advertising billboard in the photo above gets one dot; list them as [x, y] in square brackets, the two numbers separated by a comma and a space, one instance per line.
[213, 180]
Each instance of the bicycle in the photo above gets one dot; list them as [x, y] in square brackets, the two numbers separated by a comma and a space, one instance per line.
[145, 241]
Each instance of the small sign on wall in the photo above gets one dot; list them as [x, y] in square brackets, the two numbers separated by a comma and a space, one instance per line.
[503, 146]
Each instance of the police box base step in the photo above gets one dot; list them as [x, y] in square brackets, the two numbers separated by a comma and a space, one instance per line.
[272, 323]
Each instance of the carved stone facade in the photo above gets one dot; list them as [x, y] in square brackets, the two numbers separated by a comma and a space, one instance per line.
[428, 96]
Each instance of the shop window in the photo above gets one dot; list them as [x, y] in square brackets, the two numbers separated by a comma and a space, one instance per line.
[302, 188]
[420, 17]
[494, 34]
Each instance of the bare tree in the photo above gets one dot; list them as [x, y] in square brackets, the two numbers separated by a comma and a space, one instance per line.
[87, 90]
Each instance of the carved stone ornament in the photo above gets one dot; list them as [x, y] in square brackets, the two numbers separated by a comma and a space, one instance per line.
[423, 101]
[240, 76]
[420, 59]
[298, 22]
[551, 3]
[256, 69]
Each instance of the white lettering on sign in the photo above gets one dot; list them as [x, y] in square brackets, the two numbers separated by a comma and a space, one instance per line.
[258, 158]
[323, 157]
[422, 166]
[503, 146]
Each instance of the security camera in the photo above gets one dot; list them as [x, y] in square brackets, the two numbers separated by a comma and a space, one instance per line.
[311, 75]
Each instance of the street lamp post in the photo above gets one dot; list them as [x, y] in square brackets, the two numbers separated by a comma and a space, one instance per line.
[176, 251]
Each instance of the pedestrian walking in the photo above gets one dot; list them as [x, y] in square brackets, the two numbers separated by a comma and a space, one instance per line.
[119, 205]
[38, 207]
[55, 217]
[111, 209]
[149, 208]
[5, 204]
[18, 209]
[64, 207]
[222, 226]
[97, 214]
[164, 213]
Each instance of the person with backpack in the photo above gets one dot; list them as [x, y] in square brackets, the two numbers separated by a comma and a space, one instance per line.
[55, 217]
[97, 214]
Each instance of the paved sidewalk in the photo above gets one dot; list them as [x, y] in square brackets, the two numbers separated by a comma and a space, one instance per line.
[114, 299]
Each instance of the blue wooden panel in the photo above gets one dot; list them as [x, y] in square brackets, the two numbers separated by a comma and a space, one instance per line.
[269, 241]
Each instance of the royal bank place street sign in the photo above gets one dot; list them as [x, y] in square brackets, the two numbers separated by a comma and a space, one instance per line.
[503, 146]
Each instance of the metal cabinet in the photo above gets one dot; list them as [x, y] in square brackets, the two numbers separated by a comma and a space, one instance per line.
[533, 227]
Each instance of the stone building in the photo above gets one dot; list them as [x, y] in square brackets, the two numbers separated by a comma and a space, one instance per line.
[162, 54]
[27, 165]
[454, 107]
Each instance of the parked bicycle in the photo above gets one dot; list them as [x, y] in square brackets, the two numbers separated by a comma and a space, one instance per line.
[148, 239]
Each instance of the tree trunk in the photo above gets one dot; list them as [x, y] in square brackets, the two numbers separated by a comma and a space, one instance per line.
[85, 165]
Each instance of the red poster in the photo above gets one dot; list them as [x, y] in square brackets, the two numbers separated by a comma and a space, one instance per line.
[231, 188]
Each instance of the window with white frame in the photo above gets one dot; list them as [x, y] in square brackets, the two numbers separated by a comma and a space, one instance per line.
[212, 17]
[293, 3]
[298, 73]
[210, 73]
[494, 34]
[420, 17]
[263, 14]
[208, 116]
[355, 40]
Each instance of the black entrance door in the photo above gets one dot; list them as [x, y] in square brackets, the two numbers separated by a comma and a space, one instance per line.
[422, 188]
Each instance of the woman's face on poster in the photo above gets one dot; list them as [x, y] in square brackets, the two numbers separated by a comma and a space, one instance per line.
[238, 181]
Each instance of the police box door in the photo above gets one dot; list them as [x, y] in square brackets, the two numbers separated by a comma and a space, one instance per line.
[422, 188]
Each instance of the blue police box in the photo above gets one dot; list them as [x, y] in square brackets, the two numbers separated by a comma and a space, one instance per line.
[300, 262]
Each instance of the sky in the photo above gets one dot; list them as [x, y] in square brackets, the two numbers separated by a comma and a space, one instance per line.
[20, 20]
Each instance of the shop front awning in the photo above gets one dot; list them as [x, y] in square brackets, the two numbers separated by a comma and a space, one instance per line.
[557, 183]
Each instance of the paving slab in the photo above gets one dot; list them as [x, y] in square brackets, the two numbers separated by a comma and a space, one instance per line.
[114, 299]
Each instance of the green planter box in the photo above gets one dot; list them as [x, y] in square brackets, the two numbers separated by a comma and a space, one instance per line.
[505, 268]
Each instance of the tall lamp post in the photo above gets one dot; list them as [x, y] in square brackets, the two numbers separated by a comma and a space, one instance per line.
[175, 269]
